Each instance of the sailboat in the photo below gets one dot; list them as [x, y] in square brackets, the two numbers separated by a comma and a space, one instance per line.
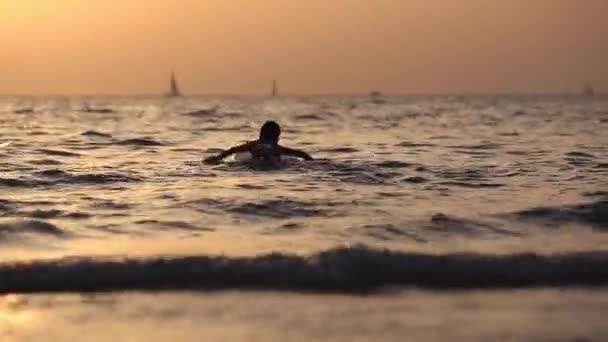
[589, 91]
[174, 90]
[274, 92]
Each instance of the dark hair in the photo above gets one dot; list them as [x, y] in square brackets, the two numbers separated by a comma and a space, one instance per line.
[270, 132]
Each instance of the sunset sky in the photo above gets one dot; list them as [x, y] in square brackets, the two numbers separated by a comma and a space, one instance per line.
[310, 47]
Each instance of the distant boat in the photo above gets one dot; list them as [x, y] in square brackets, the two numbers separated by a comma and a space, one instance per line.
[376, 97]
[275, 91]
[174, 89]
[589, 91]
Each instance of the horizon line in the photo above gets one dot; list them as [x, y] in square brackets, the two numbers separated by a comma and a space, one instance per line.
[330, 94]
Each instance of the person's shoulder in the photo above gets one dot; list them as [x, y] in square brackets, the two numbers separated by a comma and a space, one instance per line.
[249, 143]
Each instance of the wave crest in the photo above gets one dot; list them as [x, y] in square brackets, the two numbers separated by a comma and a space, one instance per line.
[358, 269]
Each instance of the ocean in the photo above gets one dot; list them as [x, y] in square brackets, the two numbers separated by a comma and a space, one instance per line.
[418, 214]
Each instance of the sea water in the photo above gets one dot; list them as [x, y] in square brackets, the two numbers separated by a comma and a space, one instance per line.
[467, 192]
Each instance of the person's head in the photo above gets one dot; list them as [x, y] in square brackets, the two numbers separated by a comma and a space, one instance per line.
[270, 132]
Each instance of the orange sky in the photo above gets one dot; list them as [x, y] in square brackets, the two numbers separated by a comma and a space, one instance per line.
[312, 46]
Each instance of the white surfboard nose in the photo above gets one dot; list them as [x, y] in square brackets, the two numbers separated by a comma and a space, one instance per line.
[242, 156]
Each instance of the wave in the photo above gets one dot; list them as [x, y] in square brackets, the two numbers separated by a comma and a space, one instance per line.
[203, 112]
[13, 183]
[167, 225]
[16, 228]
[140, 142]
[101, 178]
[58, 153]
[393, 164]
[415, 180]
[53, 177]
[320, 116]
[578, 154]
[482, 146]
[274, 208]
[601, 166]
[45, 162]
[339, 150]
[53, 214]
[93, 133]
[473, 184]
[24, 111]
[62, 177]
[480, 177]
[594, 214]
[413, 144]
[348, 270]
[599, 194]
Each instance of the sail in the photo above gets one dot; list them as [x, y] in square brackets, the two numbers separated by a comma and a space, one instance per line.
[274, 91]
[174, 89]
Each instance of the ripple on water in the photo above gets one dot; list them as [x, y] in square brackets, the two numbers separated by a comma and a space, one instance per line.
[7, 206]
[145, 141]
[413, 144]
[53, 214]
[580, 159]
[279, 209]
[393, 164]
[415, 180]
[21, 227]
[445, 224]
[58, 176]
[390, 232]
[594, 214]
[578, 154]
[102, 178]
[360, 178]
[51, 173]
[601, 166]
[473, 185]
[339, 150]
[172, 225]
[291, 226]
[93, 133]
[15, 183]
[204, 113]
[481, 177]
[107, 204]
[47, 162]
[316, 116]
[58, 153]
[355, 172]
[275, 208]
[600, 194]
[236, 128]
[253, 187]
[485, 146]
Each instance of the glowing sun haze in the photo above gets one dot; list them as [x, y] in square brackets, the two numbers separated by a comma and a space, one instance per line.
[314, 46]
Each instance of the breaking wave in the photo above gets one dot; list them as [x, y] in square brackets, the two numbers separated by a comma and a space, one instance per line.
[348, 270]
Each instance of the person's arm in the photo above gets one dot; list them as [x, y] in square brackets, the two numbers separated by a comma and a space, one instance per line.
[295, 153]
[218, 157]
